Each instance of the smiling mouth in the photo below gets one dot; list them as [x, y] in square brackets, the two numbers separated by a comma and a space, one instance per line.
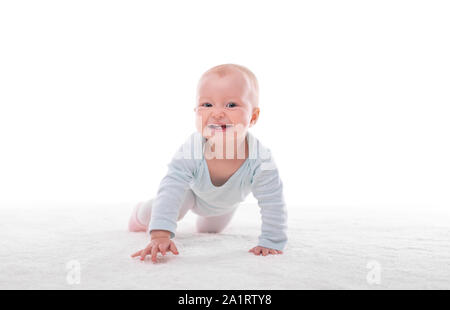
[219, 127]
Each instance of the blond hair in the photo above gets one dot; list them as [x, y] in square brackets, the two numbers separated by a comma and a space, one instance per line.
[224, 69]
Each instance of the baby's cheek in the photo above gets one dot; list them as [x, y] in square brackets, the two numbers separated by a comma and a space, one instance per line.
[202, 128]
[199, 123]
[240, 128]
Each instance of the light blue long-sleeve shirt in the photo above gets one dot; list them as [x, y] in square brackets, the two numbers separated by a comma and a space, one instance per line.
[258, 174]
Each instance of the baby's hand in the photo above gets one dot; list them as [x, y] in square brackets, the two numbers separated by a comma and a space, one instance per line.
[157, 245]
[259, 249]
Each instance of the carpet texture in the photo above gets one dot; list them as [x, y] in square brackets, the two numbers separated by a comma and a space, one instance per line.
[89, 247]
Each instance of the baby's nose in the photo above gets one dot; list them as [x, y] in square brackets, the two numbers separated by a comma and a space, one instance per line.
[218, 113]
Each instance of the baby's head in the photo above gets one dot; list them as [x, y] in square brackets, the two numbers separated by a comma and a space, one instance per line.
[227, 101]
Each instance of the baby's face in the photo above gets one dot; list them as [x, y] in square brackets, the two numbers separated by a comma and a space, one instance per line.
[224, 106]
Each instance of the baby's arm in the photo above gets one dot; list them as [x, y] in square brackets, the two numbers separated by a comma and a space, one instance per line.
[172, 189]
[166, 205]
[267, 188]
[173, 186]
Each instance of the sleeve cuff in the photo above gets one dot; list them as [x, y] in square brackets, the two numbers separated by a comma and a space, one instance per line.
[272, 245]
[163, 225]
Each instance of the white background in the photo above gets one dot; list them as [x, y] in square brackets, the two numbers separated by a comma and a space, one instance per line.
[96, 96]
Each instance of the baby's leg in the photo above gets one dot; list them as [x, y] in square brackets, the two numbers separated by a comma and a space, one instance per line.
[213, 224]
[143, 212]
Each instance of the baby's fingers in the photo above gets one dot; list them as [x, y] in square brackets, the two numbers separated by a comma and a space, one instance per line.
[154, 253]
[144, 253]
[163, 248]
[136, 254]
[173, 248]
[274, 252]
[256, 250]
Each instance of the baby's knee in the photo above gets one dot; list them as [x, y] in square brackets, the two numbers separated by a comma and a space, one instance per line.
[208, 230]
[213, 225]
[206, 226]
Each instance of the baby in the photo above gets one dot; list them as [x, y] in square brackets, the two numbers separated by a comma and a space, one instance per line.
[216, 168]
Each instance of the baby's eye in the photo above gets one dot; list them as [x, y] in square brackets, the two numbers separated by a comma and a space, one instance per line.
[206, 104]
[231, 105]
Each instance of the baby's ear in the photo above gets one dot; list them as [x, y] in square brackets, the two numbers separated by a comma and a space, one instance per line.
[255, 116]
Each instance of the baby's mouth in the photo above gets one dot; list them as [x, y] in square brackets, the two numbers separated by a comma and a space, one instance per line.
[219, 127]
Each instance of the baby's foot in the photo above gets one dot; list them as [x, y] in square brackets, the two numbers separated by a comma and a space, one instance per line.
[134, 225]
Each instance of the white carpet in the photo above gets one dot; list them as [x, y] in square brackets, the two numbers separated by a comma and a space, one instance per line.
[329, 248]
